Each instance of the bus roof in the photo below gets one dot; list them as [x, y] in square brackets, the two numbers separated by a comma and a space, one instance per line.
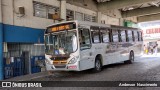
[123, 27]
[93, 24]
[82, 23]
[87, 23]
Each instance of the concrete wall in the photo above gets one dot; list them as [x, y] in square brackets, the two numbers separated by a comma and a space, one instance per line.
[111, 17]
[110, 20]
[29, 20]
[113, 13]
[116, 14]
[81, 9]
[10, 8]
[133, 19]
[88, 4]
[147, 18]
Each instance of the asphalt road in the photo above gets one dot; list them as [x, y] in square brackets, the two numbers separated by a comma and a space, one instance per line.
[145, 68]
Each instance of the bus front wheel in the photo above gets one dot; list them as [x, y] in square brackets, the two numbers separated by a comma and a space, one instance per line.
[131, 58]
[97, 66]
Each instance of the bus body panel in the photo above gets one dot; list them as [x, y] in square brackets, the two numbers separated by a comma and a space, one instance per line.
[86, 59]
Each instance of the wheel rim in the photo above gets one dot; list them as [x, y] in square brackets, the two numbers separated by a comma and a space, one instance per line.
[98, 65]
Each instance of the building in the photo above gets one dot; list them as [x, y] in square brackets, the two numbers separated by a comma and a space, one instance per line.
[151, 32]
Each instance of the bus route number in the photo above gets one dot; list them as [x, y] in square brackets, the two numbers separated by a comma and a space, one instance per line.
[60, 28]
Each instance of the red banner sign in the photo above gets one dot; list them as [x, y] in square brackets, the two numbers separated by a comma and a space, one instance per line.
[153, 31]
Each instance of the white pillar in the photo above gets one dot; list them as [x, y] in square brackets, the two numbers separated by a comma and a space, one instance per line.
[99, 17]
[63, 9]
[121, 22]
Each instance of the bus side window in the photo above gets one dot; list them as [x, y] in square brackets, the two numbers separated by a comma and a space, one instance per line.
[123, 34]
[130, 36]
[95, 35]
[133, 38]
[115, 35]
[136, 35]
[105, 36]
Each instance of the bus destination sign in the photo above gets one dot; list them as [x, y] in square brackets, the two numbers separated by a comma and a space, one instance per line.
[62, 27]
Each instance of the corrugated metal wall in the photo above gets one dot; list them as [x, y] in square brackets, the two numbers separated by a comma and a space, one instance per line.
[35, 50]
[16, 49]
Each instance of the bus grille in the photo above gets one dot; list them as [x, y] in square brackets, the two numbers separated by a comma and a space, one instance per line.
[59, 62]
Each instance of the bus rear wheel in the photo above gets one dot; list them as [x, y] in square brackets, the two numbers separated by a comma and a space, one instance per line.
[97, 66]
[131, 58]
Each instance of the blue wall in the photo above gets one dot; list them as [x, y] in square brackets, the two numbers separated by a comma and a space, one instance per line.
[18, 34]
[22, 34]
[1, 52]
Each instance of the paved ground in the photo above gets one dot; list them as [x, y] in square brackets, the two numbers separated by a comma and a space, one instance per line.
[145, 68]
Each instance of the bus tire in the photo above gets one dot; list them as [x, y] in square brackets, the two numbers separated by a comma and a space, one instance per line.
[97, 65]
[131, 58]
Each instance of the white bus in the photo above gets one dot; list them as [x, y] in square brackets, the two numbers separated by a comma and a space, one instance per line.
[80, 45]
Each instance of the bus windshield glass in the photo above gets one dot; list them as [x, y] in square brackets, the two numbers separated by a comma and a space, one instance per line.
[59, 43]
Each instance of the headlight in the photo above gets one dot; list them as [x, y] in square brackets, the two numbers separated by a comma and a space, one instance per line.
[73, 60]
[48, 56]
[48, 62]
[48, 59]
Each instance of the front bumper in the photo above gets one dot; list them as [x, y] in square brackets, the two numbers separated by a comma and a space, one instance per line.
[67, 67]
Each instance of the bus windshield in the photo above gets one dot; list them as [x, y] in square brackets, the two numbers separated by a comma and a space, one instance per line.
[59, 43]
